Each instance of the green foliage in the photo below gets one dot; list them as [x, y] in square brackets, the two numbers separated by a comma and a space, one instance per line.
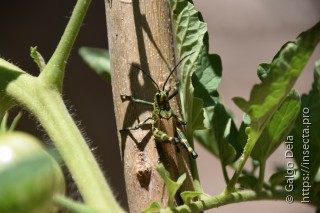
[200, 77]
[41, 96]
[171, 185]
[37, 58]
[154, 207]
[272, 111]
[279, 178]
[8, 73]
[267, 97]
[277, 128]
[190, 32]
[98, 60]
[285, 68]
[306, 129]
[188, 196]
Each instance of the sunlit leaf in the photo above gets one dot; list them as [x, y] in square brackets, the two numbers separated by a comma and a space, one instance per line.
[200, 75]
[266, 97]
[278, 127]
[305, 134]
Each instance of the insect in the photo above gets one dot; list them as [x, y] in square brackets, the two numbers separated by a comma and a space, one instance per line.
[163, 112]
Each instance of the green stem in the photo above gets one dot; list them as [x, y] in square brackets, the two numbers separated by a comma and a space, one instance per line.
[195, 174]
[194, 168]
[225, 173]
[246, 153]
[224, 199]
[71, 206]
[41, 96]
[46, 104]
[262, 169]
[53, 73]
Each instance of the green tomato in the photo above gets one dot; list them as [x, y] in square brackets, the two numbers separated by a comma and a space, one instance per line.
[29, 176]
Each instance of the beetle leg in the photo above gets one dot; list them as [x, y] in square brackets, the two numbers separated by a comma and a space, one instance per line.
[138, 125]
[184, 141]
[131, 98]
[179, 120]
[161, 136]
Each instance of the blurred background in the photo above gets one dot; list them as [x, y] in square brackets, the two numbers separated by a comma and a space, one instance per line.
[244, 33]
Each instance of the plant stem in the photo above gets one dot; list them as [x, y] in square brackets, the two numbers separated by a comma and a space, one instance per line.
[225, 173]
[224, 199]
[47, 106]
[71, 206]
[246, 153]
[262, 169]
[193, 166]
[42, 97]
[53, 73]
[196, 179]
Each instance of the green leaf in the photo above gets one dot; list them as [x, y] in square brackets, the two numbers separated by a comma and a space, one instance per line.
[263, 70]
[197, 115]
[207, 137]
[98, 60]
[277, 178]
[278, 127]
[306, 131]
[37, 58]
[170, 184]
[154, 207]
[187, 196]
[248, 181]
[266, 97]
[242, 136]
[198, 77]
[227, 152]
[207, 77]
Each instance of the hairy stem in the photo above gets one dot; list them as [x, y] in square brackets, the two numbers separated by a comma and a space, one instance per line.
[53, 73]
[224, 199]
[42, 97]
[47, 106]
[71, 206]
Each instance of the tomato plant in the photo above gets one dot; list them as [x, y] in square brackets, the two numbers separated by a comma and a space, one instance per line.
[29, 176]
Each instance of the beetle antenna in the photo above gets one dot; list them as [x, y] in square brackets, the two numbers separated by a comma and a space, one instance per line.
[175, 69]
[146, 74]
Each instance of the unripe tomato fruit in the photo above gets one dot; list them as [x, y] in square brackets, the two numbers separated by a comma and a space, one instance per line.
[29, 176]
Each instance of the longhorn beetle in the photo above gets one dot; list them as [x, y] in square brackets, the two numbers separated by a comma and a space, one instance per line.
[162, 110]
